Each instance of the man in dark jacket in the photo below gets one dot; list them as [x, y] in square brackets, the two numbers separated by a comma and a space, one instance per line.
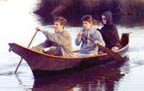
[109, 32]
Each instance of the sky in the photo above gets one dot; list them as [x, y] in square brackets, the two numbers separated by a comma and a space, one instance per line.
[17, 23]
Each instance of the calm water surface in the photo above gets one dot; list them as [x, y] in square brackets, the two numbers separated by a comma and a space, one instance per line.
[18, 25]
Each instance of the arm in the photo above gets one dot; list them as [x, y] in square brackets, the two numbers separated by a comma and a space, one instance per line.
[99, 39]
[41, 46]
[58, 39]
[78, 39]
[53, 37]
[115, 38]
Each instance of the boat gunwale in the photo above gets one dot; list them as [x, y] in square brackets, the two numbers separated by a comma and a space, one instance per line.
[60, 57]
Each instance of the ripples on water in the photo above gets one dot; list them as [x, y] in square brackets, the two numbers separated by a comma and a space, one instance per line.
[19, 28]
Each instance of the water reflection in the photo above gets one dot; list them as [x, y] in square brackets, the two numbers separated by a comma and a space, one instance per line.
[100, 78]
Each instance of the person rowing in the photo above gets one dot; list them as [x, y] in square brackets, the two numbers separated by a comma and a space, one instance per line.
[88, 47]
[60, 41]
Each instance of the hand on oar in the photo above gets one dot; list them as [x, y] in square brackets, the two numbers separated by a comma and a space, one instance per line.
[98, 43]
[38, 30]
[114, 55]
[115, 49]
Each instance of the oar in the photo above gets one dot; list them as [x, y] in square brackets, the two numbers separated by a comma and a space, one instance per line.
[114, 55]
[27, 47]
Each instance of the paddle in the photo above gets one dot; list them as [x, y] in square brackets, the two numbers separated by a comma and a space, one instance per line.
[114, 55]
[27, 47]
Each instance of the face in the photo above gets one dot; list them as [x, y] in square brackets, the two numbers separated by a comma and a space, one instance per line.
[58, 27]
[87, 25]
[104, 19]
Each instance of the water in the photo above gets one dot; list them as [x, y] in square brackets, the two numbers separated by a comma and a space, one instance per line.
[18, 25]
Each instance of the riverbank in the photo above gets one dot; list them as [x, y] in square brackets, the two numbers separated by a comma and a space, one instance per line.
[124, 11]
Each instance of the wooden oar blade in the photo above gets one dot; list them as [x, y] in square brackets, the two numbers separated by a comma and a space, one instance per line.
[115, 55]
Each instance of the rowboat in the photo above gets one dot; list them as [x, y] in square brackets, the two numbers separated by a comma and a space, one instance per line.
[39, 62]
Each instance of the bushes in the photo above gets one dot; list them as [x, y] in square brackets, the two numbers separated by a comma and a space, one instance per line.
[73, 10]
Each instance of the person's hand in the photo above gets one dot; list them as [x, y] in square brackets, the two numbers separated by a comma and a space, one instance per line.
[10, 49]
[37, 29]
[80, 34]
[96, 42]
[115, 49]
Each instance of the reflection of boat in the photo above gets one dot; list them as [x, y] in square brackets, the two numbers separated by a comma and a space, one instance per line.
[39, 62]
[96, 78]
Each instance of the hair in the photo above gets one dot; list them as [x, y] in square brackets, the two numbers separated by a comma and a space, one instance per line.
[95, 22]
[108, 15]
[61, 20]
[87, 18]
